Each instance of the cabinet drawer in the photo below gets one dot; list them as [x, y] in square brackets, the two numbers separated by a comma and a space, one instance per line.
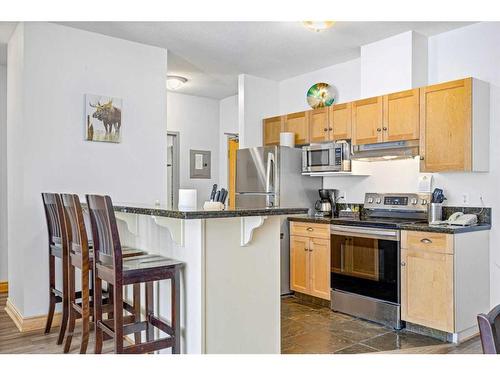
[309, 229]
[427, 241]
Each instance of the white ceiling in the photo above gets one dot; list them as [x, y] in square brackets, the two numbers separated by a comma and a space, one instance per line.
[212, 54]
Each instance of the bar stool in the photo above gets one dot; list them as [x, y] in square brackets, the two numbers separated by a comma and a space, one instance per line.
[110, 266]
[58, 248]
[81, 256]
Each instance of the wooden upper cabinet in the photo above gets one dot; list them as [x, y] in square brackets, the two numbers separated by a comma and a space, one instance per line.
[367, 120]
[299, 264]
[446, 127]
[320, 267]
[454, 126]
[298, 123]
[340, 118]
[271, 129]
[319, 125]
[401, 116]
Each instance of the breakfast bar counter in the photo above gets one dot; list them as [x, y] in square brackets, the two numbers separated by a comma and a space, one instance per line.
[230, 283]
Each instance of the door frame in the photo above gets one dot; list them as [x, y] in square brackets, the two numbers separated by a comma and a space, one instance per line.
[175, 170]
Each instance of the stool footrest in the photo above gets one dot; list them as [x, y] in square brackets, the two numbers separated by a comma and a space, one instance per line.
[148, 347]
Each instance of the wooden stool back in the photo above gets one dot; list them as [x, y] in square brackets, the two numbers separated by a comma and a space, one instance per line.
[489, 330]
[58, 248]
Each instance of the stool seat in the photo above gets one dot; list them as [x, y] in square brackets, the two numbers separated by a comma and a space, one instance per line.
[148, 261]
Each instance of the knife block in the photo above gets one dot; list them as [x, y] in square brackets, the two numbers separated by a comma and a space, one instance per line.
[213, 206]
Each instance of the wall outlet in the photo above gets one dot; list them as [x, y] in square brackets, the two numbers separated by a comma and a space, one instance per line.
[465, 198]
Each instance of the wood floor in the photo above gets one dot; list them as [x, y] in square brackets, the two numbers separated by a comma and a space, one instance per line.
[14, 342]
[313, 337]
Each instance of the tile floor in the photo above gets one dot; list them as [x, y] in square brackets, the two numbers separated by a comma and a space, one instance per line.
[309, 328]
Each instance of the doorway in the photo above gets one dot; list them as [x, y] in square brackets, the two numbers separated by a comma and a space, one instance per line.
[233, 145]
[172, 169]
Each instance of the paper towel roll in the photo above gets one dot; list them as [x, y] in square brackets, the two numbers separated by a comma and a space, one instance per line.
[287, 139]
[187, 199]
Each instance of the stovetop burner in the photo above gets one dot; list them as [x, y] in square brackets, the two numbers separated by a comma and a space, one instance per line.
[390, 223]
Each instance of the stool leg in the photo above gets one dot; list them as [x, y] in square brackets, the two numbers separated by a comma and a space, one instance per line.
[118, 316]
[72, 312]
[85, 307]
[137, 310]
[65, 303]
[149, 311]
[176, 315]
[52, 297]
[98, 313]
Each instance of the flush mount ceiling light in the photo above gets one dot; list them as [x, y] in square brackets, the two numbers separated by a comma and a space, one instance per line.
[318, 25]
[175, 82]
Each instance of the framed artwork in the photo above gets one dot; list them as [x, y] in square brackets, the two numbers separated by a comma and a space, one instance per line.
[103, 118]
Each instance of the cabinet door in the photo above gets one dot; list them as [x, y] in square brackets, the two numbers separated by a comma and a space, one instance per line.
[401, 116]
[299, 264]
[446, 126]
[318, 125]
[272, 128]
[340, 121]
[367, 120]
[320, 268]
[427, 289]
[298, 123]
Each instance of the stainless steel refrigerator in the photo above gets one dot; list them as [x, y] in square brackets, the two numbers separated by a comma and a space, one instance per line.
[271, 176]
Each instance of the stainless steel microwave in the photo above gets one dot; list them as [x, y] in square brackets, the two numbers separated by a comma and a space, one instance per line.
[326, 157]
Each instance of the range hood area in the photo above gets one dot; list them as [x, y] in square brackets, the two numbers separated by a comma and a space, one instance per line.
[385, 151]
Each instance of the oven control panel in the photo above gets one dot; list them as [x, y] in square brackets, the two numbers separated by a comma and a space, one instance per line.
[397, 201]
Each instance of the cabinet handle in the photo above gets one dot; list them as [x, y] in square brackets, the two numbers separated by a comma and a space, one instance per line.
[325, 129]
[305, 248]
[379, 130]
[385, 129]
[309, 229]
[425, 240]
[403, 264]
[421, 158]
[330, 129]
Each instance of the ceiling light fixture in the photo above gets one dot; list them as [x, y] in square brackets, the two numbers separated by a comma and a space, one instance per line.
[175, 82]
[318, 25]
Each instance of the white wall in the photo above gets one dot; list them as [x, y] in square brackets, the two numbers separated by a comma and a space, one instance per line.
[3, 173]
[258, 98]
[228, 113]
[393, 64]
[344, 78]
[50, 68]
[197, 120]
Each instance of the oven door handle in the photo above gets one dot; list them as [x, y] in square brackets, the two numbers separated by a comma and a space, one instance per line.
[375, 233]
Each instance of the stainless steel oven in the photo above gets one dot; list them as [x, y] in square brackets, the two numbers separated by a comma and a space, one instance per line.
[365, 272]
[326, 157]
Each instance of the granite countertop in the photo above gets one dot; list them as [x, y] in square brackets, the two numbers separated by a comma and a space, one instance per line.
[451, 229]
[420, 227]
[153, 210]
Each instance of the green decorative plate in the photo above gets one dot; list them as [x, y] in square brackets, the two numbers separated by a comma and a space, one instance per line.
[320, 95]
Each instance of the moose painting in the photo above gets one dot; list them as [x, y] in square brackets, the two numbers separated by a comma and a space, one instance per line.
[103, 118]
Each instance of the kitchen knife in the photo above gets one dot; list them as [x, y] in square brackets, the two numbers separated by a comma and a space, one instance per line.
[222, 195]
[212, 194]
[216, 198]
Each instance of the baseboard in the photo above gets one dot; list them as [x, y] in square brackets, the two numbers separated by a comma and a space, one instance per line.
[4, 286]
[30, 324]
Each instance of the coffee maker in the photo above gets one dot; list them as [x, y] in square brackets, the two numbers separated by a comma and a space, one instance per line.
[325, 206]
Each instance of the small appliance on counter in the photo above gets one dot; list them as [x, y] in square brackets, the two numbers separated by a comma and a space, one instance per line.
[436, 206]
[326, 157]
[325, 206]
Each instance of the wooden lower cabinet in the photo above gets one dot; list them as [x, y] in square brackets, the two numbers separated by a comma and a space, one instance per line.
[319, 259]
[445, 280]
[299, 264]
[310, 260]
[427, 289]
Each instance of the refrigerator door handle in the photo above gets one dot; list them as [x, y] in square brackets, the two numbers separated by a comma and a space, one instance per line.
[270, 178]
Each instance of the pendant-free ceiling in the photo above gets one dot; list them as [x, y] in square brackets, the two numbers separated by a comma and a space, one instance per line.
[175, 82]
[318, 25]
